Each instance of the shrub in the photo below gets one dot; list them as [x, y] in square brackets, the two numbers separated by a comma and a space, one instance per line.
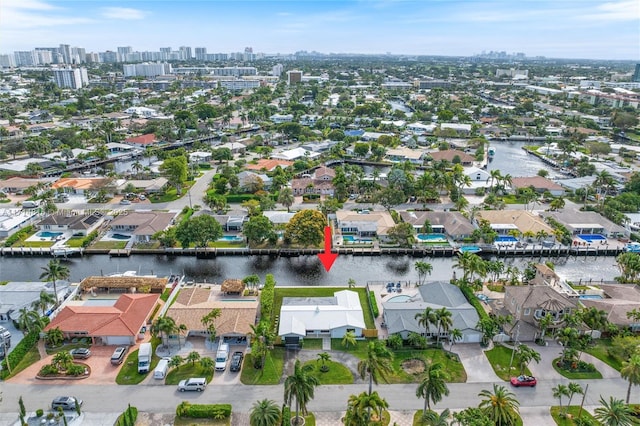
[374, 304]
[240, 198]
[203, 411]
[128, 417]
[89, 239]
[19, 352]
[267, 296]
[49, 370]
[39, 412]
[75, 370]
[286, 416]
[19, 235]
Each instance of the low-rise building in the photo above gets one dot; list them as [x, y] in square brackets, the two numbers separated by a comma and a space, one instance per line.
[365, 224]
[141, 225]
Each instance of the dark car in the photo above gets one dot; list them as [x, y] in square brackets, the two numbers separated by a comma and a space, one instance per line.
[66, 402]
[524, 381]
[236, 361]
[80, 353]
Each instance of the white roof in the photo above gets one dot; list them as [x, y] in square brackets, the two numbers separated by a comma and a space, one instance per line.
[298, 315]
[294, 154]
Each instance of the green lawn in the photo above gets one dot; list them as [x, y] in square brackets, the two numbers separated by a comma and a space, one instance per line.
[500, 357]
[601, 351]
[573, 413]
[454, 368]
[576, 375]
[186, 371]
[281, 292]
[109, 245]
[359, 350]
[338, 374]
[37, 244]
[312, 344]
[74, 242]
[187, 421]
[128, 374]
[269, 375]
[29, 359]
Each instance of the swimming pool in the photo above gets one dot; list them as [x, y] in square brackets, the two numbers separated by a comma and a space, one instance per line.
[590, 296]
[506, 239]
[120, 237]
[470, 249]
[591, 237]
[353, 239]
[231, 238]
[47, 234]
[432, 238]
[399, 298]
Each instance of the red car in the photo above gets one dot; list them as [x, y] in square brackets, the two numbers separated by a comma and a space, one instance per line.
[524, 381]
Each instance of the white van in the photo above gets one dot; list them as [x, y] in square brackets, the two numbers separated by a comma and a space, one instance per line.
[161, 369]
[222, 355]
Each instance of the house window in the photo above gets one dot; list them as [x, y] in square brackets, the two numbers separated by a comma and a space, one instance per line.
[351, 330]
[527, 312]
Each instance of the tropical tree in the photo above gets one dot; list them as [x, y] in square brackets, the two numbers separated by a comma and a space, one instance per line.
[455, 335]
[431, 418]
[286, 198]
[164, 326]
[526, 354]
[501, 405]
[264, 413]
[206, 363]
[631, 372]
[29, 320]
[376, 364]
[324, 357]
[426, 318]
[349, 339]
[362, 408]
[306, 228]
[53, 272]
[301, 386]
[193, 357]
[54, 337]
[62, 360]
[574, 388]
[444, 321]
[176, 361]
[423, 269]
[614, 412]
[559, 392]
[209, 321]
[44, 301]
[433, 386]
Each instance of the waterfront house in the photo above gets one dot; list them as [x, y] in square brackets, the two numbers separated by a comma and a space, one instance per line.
[119, 324]
[13, 220]
[480, 179]
[81, 186]
[404, 154]
[333, 316]
[616, 300]
[148, 186]
[78, 225]
[528, 304]
[237, 314]
[124, 283]
[142, 141]
[365, 223]
[268, 165]
[453, 224]
[400, 314]
[295, 154]
[460, 128]
[539, 184]
[15, 295]
[506, 221]
[321, 183]
[579, 222]
[17, 185]
[451, 155]
[141, 226]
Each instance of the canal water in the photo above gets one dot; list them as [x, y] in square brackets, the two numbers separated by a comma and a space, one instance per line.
[511, 159]
[303, 270]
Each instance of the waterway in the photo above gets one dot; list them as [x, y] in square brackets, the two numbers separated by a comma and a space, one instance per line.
[304, 270]
[511, 159]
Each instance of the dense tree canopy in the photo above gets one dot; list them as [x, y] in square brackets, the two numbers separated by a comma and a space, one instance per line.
[306, 228]
[199, 230]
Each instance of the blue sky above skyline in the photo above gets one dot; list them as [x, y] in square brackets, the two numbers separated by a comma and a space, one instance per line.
[591, 29]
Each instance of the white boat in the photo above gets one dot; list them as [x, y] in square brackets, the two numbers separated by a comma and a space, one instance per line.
[491, 152]
[632, 248]
[65, 251]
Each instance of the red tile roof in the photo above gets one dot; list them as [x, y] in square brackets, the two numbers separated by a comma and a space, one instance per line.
[142, 140]
[269, 165]
[122, 319]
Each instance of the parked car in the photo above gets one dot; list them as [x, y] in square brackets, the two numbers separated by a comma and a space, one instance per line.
[236, 361]
[524, 381]
[192, 384]
[118, 355]
[125, 202]
[80, 353]
[66, 402]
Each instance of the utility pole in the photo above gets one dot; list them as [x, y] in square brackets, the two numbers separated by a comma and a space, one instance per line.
[515, 345]
[584, 395]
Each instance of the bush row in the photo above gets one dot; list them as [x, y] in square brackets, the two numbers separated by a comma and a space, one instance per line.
[89, 239]
[128, 417]
[473, 300]
[19, 235]
[203, 411]
[374, 304]
[267, 296]
[286, 416]
[19, 352]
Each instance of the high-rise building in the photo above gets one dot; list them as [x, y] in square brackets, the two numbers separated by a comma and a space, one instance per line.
[44, 57]
[185, 53]
[78, 55]
[7, 61]
[109, 56]
[71, 78]
[294, 76]
[201, 53]
[277, 70]
[123, 50]
[56, 56]
[636, 74]
[65, 51]
[146, 70]
[26, 58]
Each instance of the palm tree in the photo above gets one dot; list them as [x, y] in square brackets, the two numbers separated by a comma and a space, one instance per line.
[431, 418]
[377, 364]
[164, 326]
[43, 302]
[631, 372]
[574, 388]
[444, 321]
[176, 361]
[193, 357]
[28, 320]
[62, 360]
[349, 339]
[53, 272]
[455, 335]
[301, 386]
[285, 197]
[360, 408]
[264, 413]
[54, 337]
[526, 354]
[423, 268]
[426, 318]
[206, 363]
[209, 322]
[501, 406]
[614, 413]
[560, 391]
[433, 385]
[324, 357]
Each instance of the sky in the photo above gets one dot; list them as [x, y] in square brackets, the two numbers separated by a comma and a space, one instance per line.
[589, 29]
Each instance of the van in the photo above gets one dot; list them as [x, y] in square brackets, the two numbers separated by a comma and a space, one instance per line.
[222, 355]
[29, 204]
[5, 337]
[118, 355]
[161, 369]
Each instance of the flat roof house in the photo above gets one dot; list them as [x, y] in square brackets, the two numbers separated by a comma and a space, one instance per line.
[504, 221]
[320, 316]
[579, 222]
[372, 224]
[399, 316]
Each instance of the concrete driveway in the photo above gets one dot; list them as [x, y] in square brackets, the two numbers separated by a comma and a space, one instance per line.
[475, 363]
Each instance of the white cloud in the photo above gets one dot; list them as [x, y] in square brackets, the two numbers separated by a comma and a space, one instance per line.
[29, 14]
[126, 13]
[625, 10]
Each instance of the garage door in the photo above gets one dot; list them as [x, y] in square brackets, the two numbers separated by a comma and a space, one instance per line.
[117, 340]
[472, 338]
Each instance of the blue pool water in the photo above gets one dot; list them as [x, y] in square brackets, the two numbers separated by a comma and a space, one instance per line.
[120, 237]
[472, 249]
[432, 237]
[47, 234]
[506, 239]
[231, 238]
[400, 298]
[591, 237]
[590, 296]
[352, 239]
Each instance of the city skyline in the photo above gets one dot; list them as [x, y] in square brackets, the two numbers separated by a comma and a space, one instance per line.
[580, 29]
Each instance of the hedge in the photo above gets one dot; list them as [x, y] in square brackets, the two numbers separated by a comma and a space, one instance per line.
[128, 417]
[203, 411]
[19, 235]
[89, 239]
[267, 296]
[240, 198]
[286, 416]
[374, 304]
[19, 352]
[473, 300]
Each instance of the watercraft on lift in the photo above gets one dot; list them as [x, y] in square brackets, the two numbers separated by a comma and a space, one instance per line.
[491, 152]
